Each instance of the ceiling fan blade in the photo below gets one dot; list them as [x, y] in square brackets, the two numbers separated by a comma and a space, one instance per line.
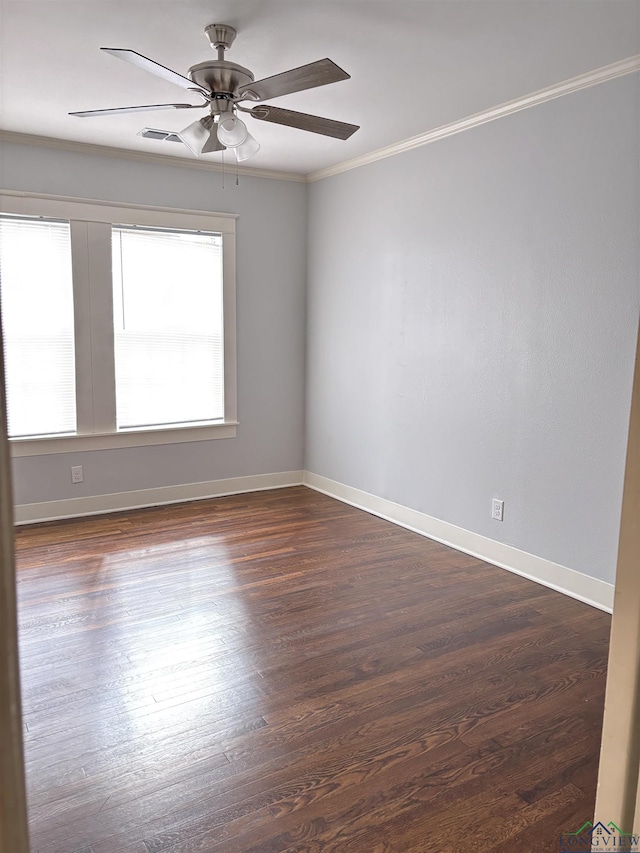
[314, 124]
[145, 108]
[213, 143]
[152, 67]
[306, 77]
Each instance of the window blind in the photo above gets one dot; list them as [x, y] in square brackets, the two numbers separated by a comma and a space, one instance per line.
[168, 327]
[36, 297]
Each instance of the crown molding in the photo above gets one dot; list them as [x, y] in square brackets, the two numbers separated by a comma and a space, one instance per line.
[144, 156]
[557, 90]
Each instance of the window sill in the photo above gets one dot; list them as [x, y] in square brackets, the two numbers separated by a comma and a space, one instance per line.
[41, 446]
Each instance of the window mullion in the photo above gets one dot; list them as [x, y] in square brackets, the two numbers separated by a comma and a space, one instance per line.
[102, 357]
[82, 327]
[93, 320]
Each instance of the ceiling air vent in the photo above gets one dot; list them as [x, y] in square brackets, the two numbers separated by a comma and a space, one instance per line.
[162, 135]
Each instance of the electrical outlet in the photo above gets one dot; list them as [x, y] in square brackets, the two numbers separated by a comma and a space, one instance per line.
[497, 509]
[76, 474]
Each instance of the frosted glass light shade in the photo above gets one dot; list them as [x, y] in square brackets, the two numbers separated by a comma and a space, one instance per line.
[196, 135]
[247, 149]
[231, 130]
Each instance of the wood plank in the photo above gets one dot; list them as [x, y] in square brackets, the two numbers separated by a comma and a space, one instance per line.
[280, 672]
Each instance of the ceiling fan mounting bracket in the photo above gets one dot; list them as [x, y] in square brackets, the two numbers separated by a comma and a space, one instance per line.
[220, 36]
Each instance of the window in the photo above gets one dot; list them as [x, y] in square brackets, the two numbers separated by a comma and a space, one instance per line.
[36, 289]
[167, 310]
[118, 322]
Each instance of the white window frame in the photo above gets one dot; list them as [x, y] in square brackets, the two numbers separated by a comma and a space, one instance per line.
[91, 223]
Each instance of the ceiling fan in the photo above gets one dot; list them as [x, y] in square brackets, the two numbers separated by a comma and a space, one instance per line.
[224, 87]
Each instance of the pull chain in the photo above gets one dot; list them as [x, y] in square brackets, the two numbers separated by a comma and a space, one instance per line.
[223, 168]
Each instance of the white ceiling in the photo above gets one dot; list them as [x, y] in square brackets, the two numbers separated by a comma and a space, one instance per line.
[415, 64]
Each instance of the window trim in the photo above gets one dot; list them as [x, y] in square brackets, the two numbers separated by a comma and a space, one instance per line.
[95, 369]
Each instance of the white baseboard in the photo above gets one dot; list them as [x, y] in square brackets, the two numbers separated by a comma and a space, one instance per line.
[591, 591]
[595, 592]
[97, 504]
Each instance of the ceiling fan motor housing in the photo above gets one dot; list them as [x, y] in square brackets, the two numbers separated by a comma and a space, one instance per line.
[220, 76]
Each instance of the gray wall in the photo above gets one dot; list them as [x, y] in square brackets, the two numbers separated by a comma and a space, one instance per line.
[271, 239]
[472, 312]
[471, 316]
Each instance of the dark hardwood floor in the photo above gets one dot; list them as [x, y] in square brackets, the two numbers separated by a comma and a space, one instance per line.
[279, 672]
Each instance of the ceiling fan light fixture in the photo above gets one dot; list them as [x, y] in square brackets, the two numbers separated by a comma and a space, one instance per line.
[247, 149]
[232, 131]
[196, 135]
[222, 86]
